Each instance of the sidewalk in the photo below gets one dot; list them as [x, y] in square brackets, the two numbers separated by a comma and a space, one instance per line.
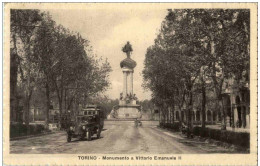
[218, 126]
[209, 143]
[30, 136]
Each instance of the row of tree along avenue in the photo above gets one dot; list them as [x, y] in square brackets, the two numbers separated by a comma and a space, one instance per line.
[50, 64]
[195, 55]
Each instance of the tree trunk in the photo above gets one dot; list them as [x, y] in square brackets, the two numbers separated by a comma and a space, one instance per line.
[159, 116]
[163, 115]
[47, 93]
[27, 113]
[60, 110]
[203, 110]
[13, 81]
[223, 115]
[173, 114]
[167, 114]
[217, 85]
[69, 105]
[151, 117]
[60, 98]
[13, 86]
[173, 110]
[34, 111]
[189, 115]
[180, 114]
[17, 110]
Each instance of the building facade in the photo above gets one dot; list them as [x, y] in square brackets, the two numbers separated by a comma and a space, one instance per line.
[235, 103]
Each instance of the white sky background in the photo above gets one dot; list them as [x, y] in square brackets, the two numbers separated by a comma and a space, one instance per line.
[108, 31]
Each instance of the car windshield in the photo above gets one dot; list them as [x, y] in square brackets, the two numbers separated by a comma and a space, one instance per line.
[86, 119]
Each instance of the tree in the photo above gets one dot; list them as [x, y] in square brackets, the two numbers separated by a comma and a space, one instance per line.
[43, 54]
[67, 66]
[181, 55]
[193, 47]
[23, 24]
[227, 38]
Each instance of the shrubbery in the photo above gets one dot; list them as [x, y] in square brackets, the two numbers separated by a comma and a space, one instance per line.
[241, 139]
[237, 138]
[172, 126]
[207, 123]
[17, 130]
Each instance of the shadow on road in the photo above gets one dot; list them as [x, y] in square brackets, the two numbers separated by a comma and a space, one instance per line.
[82, 140]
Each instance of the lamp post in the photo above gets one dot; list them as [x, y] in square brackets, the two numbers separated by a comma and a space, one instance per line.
[232, 105]
[229, 93]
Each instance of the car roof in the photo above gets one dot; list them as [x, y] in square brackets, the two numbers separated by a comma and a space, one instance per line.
[92, 105]
[91, 109]
[83, 115]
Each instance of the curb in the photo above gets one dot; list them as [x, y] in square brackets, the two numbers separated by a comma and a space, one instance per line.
[113, 120]
[30, 136]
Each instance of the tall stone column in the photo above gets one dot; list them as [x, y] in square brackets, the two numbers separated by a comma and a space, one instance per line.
[125, 84]
[212, 115]
[131, 82]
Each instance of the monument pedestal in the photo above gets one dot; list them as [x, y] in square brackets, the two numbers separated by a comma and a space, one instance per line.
[128, 110]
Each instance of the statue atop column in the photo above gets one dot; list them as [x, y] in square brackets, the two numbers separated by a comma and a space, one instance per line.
[128, 62]
[127, 49]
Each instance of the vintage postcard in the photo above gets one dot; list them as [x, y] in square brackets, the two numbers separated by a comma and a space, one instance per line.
[130, 84]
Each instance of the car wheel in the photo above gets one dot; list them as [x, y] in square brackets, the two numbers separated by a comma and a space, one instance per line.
[88, 135]
[98, 133]
[68, 138]
[82, 137]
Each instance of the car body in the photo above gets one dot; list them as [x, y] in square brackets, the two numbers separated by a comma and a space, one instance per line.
[96, 111]
[90, 122]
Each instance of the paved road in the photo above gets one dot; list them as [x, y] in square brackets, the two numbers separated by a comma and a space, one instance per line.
[118, 137]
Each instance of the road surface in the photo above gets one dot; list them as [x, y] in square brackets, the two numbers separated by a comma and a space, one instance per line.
[118, 137]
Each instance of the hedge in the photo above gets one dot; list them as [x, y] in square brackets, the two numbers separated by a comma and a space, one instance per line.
[237, 138]
[206, 123]
[17, 130]
[172, 126]
[241, 139]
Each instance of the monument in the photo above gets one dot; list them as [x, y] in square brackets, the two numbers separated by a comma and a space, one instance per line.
[127, 107]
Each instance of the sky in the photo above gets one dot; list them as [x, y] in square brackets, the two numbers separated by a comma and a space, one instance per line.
[108, 30]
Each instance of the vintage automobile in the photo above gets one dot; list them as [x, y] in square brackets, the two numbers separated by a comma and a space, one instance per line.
[88, 123]
[94, 110]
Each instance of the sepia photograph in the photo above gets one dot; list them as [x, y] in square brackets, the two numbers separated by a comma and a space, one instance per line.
[150, 82]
